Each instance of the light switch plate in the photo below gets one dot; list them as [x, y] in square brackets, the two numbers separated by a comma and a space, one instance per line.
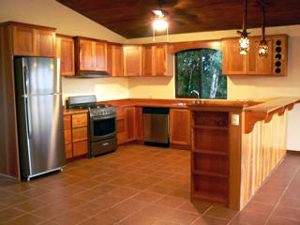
[235, 119]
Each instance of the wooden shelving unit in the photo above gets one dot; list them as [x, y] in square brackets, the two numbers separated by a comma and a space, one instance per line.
[210, 161]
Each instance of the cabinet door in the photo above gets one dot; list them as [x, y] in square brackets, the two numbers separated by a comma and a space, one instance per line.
[139, 123]
[86, 55]
[115, 60]
[130, 122]
[80, 148]
[117, 55]
[100, 56]
[24, 41]
[46, 43]
[132, 60]
[160, 60]
[65, 51]
[180, 127]
[109, 59]
[255, 64]
[233, 62]
[148, 63]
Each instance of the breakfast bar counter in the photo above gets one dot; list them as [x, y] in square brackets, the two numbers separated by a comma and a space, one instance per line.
[235, 146]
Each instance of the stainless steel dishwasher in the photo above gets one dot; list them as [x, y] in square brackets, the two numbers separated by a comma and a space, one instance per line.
[156, 126]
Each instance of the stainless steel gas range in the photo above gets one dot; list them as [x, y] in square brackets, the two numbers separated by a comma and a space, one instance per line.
[102, 124]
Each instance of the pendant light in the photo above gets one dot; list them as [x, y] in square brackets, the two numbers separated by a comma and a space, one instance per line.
[244, 40]
[263, 45]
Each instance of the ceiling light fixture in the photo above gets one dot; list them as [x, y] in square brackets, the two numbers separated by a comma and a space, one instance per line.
[244, 40]
[160, 23]
[263, 45]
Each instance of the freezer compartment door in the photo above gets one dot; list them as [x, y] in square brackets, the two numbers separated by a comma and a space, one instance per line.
[42, 136]
[37, 75]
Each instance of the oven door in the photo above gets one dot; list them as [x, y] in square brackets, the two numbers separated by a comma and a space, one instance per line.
[102, 128]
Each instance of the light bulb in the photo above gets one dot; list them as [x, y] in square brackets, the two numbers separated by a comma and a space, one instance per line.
[160, 24]
[263, 49]
[244, 45]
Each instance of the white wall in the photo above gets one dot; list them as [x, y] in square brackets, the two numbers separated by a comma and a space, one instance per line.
[53, 14]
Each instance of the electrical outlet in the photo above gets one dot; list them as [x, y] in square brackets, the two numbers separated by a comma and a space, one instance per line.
[235, 119]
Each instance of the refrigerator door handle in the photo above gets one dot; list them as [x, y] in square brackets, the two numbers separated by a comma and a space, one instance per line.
[26, 80]
[28, 117]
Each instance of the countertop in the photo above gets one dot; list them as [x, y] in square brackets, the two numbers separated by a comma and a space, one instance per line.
[261, 107]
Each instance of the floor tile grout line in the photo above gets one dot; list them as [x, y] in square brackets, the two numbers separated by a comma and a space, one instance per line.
[279, 200]
[193, 222]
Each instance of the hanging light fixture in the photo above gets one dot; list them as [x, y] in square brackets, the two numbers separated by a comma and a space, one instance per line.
[160, 23]
[263, 45]
[244, 40]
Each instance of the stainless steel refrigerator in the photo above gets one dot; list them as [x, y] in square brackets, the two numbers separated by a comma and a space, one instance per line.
[40, 116]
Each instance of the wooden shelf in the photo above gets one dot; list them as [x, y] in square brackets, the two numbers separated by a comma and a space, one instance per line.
[209, 152]
[207, 196]
[209, 127]
[211, 174]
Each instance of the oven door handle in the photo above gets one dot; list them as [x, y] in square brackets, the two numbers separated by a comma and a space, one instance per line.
[102, 118]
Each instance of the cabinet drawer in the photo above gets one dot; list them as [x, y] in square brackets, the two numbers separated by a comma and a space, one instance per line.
[80, 148]
[69, 151]
[79, 120]
[68, 137]
[67, 122]
[79, 134]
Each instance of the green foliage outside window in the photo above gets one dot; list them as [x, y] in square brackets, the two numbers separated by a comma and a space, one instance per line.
[200, 70]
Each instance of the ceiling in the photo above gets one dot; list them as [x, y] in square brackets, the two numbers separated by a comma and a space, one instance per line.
[132, 18]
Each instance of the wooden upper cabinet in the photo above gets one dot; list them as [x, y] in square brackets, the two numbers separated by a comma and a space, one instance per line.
[65, 51]
[115, 59]
[162, 61]
[157, 60]
[233, 62]
[86, 55]
[180, 127]
[255, 64]
[133, 55]
[252, 64]
[30, 40]
[46, 43]
[90, 55]
[148, 60]
[24, 40]
[100, 55]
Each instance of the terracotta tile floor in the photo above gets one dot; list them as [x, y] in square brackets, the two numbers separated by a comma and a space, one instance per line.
[139, 185]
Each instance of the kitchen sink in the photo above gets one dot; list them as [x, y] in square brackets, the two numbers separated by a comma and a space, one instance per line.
[179, 103]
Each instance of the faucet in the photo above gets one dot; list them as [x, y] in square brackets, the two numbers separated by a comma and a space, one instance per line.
[198, 95]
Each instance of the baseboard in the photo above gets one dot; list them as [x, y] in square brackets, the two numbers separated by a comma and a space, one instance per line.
[293, 152]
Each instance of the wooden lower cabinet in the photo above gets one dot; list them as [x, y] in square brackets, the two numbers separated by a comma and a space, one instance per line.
[126, 130]
[76, 135]
[130, 123]
[79, 134]
[69, 151]
[180, 127]
[80, 148]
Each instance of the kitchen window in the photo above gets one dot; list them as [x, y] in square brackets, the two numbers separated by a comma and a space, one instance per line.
[200, 71]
